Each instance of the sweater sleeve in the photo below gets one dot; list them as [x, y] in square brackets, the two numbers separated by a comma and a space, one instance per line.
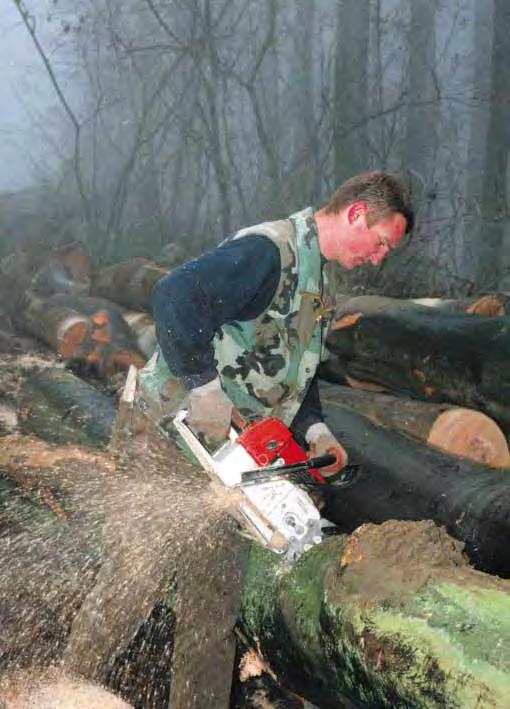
[309, 413]
[235, 281]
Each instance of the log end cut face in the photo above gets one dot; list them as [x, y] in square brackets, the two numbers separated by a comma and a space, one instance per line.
[470, 434]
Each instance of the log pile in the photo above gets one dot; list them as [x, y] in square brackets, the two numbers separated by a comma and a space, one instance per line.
[417, 393]
[93, 319]
[422, 352]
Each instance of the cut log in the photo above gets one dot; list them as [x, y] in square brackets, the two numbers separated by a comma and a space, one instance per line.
[423, 353]
[463, 432]
[489, 305]
[391, 617]
[65, 330]
[50, 537]
[59, 407]
[403, 479]
[129, 283]
[88, 330]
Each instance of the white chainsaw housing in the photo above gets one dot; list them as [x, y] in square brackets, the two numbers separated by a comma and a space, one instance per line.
[278, 513]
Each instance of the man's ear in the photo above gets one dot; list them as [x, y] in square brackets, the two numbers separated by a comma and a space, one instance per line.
[356, 211]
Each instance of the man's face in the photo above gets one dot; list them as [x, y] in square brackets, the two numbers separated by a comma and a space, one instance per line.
[360, 244]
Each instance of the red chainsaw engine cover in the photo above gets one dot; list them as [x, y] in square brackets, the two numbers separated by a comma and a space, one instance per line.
[269, 439]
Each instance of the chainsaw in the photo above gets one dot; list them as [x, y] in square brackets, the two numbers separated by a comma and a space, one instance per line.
[263, 463]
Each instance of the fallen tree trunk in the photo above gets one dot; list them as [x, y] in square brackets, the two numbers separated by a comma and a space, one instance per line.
[463, 432]
[490, 305]
[423, 353]
[403, 479]
[391, 617]
[60, 407]
[129, 283]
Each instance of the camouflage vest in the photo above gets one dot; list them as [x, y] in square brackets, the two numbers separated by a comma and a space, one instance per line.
[267, 364]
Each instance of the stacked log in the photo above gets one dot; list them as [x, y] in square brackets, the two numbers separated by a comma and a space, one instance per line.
[417, 351]
[490, 305]
[63, 269]
[454, 430]
[83, 329]
[402, 479]
[129, 283]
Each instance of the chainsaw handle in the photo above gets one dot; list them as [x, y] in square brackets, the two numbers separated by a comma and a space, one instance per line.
[321, 461]
[238, 420]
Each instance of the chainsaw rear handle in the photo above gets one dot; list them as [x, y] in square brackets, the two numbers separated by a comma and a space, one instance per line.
[261, 474]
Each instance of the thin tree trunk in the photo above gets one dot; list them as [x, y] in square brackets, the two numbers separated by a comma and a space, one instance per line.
[350, 103]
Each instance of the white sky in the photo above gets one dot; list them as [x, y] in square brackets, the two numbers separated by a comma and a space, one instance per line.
[23, 83]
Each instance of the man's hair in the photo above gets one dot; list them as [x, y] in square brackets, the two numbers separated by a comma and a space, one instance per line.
[383, 192]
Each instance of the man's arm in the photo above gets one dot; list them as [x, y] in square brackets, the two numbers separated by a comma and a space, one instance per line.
[235, 281]
[309, 413]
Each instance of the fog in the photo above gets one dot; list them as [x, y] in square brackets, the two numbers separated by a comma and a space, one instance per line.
[138, 123]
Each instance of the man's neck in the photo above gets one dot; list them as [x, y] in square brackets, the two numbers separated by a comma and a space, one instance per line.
[327, 228]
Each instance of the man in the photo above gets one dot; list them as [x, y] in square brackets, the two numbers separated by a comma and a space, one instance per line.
[245, 324]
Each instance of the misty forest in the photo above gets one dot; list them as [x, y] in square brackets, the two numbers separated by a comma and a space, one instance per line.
[136, 135]
[180, 122]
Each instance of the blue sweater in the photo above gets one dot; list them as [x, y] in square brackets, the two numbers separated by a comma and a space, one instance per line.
[234, 282]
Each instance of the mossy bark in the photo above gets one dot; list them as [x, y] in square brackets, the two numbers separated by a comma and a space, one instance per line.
[391, 617]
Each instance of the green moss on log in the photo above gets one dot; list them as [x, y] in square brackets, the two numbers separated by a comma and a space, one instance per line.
[393, 617]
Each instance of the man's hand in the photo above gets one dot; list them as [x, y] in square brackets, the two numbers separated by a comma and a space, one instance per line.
[210, 411]
[322, 441]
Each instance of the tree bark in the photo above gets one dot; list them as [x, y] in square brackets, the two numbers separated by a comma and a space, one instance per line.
[51, 501]
[350, 108]
[463, 432]
[81, 532]
[493, 262]
[402, 479]
[423, 353]
[391, 617]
